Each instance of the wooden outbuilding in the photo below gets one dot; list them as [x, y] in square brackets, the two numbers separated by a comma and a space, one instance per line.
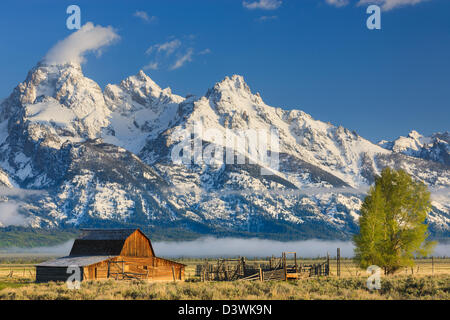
[111, 254]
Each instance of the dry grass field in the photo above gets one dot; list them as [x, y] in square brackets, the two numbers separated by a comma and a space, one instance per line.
[16, 282]
[397, 287]
[348, 267]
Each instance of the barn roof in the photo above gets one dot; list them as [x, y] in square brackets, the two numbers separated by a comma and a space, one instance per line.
[74, 261]
[97, 247]
[101, 242]
[105, 234]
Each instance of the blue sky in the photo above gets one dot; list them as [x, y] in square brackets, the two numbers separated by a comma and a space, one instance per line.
[313, 55]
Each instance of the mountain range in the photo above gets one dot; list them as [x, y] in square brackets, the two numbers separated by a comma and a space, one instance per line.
[74, 155]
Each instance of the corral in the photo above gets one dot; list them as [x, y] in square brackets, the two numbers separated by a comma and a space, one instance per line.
[119, 254]
[274, 269]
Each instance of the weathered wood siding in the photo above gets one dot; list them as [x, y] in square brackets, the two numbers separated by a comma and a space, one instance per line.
[156, 268]
[151, 268]
[96, 271]
[137, 245]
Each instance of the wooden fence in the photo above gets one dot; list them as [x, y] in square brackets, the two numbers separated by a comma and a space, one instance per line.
[273, 269]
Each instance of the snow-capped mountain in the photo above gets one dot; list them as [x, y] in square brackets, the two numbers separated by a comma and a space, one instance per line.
[435, 147]
[106, 158]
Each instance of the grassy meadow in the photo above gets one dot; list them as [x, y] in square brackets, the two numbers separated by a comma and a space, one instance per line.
[17, 276]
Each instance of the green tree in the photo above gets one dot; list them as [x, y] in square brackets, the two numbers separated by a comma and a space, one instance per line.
[393, 225]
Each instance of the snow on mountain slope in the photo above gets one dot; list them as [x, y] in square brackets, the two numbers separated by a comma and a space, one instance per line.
[231, 105]
[4, 180]
[73, 102]
[312, 154]
[55, 105]
[435, 147]
[139, 109]
[105, 158]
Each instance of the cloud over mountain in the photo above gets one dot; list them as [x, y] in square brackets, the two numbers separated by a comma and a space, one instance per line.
[89, 38]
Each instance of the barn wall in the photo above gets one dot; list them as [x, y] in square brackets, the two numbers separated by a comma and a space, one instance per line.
[137, 245]
[96, 271]
[156, 268]
[151, 268]
[47, 274]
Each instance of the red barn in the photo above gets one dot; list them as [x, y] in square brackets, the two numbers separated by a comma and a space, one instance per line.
[111, 254]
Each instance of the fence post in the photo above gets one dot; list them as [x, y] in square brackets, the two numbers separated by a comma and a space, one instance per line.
[261, 276]
[296, 266]
[432, 266]
[338, 262]
[328, 265]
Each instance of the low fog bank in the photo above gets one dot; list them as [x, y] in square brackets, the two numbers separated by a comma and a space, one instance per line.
[58, 250]
[228, 247]
[233, 247]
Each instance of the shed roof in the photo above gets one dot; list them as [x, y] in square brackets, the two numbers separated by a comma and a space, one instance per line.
[74, 261]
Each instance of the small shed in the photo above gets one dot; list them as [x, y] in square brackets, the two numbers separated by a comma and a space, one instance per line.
[111, 254]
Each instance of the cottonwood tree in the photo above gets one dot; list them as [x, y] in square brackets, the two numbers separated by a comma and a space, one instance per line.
[393, 226]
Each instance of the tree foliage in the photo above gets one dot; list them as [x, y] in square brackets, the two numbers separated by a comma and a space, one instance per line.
[393, 225]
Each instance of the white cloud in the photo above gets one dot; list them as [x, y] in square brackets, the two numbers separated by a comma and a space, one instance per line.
[338, 3]
[10, 209]
[267, 18]
[89, 38]
[144, 16]
[206, 51]
[151, 66]
[19, 193]
[10, 216]
[391, 4]
[440, 195]
[262, 4]
[174, 53]
[386, 5]
[183, 59]
[169, 47]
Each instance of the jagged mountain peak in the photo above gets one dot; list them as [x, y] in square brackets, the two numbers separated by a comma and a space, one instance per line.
[435, 147]
[56, 103]
[142, 82]
[232, 88]
[46, 80]
[137, 92]
[236, 82]
[414, 135]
